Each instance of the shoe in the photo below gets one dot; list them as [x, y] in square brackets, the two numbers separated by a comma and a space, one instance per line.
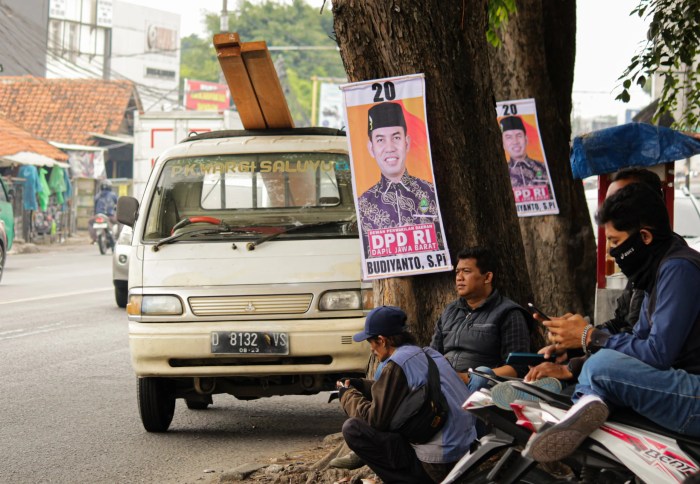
[348, 461]
[504, 393]
[562, 439]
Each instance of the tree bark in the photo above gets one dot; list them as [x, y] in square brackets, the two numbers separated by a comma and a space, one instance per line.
[536, 61]
[445, 40]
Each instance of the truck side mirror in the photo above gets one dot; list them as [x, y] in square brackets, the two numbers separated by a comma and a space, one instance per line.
[127, 210]
[10, 194]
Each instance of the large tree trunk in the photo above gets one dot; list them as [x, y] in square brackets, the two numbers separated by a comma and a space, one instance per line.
[445, 40]
[537, 60]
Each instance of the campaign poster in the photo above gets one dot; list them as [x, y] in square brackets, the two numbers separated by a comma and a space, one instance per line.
[330, 113]
[393, 183]
[527, 163]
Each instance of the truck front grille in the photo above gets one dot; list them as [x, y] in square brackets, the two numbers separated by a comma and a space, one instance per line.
[251, 305]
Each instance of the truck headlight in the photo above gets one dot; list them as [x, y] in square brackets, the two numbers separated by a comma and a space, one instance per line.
[154, 305]
[340, 300]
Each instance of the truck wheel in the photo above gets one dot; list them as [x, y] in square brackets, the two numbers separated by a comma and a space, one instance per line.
[102, 243]
[195, 405]
[121, 294]
[156, 403]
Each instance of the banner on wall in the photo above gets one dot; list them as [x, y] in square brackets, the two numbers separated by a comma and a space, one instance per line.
[527, 163]
[206, 96]
[393, 183]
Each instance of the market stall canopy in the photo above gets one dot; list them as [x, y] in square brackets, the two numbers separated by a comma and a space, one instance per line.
[18, 146]
[631, 144]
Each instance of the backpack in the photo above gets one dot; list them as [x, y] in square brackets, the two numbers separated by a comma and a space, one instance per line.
[424, 411]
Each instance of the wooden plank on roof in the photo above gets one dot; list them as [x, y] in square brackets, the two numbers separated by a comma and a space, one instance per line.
[266, 83]
[228, 51]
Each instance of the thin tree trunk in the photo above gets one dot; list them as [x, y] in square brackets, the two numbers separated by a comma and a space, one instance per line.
[445, 40]
[536, 60]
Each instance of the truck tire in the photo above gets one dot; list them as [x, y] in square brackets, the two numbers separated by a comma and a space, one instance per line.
[156, 403]
[196, 405]
[121, 293]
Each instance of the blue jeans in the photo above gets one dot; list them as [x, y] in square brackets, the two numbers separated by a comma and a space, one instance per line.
[670, 397]
[477, 382]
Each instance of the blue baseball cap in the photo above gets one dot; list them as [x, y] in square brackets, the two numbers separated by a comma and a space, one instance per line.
[385, 321]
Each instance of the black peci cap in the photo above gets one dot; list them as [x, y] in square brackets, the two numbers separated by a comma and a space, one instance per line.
[512, 122]
[384, 115]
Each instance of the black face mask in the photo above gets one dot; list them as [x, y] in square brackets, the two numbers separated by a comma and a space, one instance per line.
[632, 255]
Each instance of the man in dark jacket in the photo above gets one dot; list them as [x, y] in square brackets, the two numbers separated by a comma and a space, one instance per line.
[371, 431]
[482, 327]
[655, 370]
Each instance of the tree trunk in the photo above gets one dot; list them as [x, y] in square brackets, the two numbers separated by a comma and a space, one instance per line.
[445, 40]
[536, 61]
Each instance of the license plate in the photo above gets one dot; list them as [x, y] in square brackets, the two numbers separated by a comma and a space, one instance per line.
[249, 342]
[99, 226]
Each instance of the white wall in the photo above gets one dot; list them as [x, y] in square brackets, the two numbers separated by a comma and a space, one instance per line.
[146, 50]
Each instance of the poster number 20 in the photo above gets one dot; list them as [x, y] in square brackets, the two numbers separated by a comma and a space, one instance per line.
[384, 91]
[510, 109]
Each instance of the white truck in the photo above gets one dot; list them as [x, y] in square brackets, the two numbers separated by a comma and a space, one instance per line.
[244, 273]
[155, 132]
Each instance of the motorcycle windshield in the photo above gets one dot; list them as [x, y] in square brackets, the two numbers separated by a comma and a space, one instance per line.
[256, 194]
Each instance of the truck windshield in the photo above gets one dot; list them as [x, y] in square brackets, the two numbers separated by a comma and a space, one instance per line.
[260, 194]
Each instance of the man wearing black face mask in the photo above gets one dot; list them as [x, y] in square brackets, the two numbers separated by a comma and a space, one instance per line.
[655, 370]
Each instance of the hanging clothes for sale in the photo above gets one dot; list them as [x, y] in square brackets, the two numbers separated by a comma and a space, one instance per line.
[30, 186]
[69, 188]
[57, 184]
[45, 191]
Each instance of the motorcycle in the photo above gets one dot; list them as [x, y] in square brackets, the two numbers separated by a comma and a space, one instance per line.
[627, 448]
[106, 233]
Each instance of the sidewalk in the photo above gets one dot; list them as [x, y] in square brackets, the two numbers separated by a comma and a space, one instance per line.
[78, 239]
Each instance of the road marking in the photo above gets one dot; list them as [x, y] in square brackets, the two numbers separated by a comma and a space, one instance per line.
[47, 328]
[53, 296]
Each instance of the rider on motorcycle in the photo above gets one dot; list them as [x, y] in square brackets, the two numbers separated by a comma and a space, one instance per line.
[105, 204]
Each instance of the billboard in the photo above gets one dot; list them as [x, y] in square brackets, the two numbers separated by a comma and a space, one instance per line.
[206, 96]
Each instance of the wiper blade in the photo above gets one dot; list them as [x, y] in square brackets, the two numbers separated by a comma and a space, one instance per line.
[223, 229]
[252, 245]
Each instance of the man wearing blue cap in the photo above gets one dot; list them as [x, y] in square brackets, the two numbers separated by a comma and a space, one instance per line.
[398, 198]
[372, 405]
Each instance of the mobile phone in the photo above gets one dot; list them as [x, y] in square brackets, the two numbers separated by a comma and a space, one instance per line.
[537, 310]
[530, 359]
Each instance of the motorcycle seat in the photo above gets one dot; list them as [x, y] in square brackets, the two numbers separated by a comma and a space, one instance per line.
[627, 416]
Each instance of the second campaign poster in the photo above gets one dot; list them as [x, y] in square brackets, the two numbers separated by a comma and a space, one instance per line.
[527, 163]
[395, 195]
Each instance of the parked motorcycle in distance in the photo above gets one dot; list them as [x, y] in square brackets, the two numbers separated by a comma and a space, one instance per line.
[106, 233]
[627, 448]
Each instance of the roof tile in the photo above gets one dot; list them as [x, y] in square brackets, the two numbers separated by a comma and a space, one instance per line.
[66, 110]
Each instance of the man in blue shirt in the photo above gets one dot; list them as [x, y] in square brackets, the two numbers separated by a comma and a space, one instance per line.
[655, 370]
[105, 204]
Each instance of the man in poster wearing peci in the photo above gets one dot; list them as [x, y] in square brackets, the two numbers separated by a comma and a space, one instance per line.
[398, 198]
[523, 170]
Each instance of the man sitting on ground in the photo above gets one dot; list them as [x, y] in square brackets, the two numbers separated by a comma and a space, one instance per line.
[481, 328]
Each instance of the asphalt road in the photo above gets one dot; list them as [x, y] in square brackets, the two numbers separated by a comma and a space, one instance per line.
[68, 410]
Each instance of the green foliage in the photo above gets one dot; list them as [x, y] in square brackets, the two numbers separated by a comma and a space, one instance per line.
[499, 12]
[671, 51]
[294, 24]
[198, 60]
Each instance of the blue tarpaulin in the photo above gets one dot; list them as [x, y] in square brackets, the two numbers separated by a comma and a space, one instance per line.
[632, 144]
